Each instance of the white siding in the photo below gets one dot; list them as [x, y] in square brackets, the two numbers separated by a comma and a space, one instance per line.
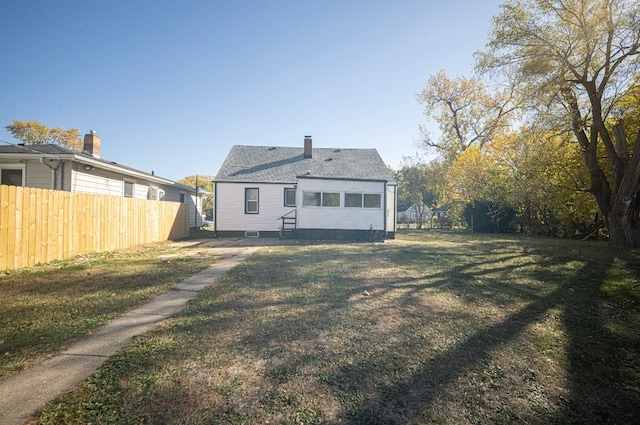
[39, 175]
[230, 215]
[35, 173]
[341, 218]
[96, 182]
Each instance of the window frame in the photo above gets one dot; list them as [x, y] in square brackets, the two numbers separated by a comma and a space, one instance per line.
[8, 167]
[331, 193]
[353, 195]
[319, 199]
[247, 201]
[133, 188]
[289, 190]
[364, 200]
[316, 198]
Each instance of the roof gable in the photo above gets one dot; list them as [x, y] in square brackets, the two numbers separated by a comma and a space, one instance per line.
[286, 164]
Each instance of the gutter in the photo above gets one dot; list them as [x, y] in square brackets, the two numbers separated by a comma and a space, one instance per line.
[55, 170]
[101, 164]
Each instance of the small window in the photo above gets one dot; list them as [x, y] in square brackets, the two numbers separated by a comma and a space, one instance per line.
[11, 177]
[372, 200]
[160, 195]
[128, 189]
[251, 200]
[289, 197]
[353, 200]
[330, 199]
[311, 199]
[183, 197]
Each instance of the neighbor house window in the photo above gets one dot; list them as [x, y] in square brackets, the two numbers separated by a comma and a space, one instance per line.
[360, 200]
[320, 199]
[128, 189]
[251, 200]
[160, 195]
[289, 197]
[12, 176]
[183, 197]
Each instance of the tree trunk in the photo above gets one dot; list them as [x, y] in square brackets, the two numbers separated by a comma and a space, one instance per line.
[623, 220]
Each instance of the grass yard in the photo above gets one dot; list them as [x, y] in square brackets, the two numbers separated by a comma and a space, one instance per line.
[46, 307]
[444, 328]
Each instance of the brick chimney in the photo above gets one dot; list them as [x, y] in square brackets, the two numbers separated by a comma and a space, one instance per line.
[92, 144]
[308, 147]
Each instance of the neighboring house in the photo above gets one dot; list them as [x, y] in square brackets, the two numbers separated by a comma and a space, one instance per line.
[60, 168]
[413, 214]
[312, 193]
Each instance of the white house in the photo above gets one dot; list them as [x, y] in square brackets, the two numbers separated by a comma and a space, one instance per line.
[57, 167]
[326, 193]
[415, 213]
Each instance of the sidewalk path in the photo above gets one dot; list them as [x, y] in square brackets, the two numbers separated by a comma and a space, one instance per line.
[22, 394]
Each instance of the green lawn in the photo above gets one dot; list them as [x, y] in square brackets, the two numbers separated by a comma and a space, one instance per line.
[434, 327]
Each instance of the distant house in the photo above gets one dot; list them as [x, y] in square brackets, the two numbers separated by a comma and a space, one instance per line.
[326, 193]
[414, 214]
[60, 168]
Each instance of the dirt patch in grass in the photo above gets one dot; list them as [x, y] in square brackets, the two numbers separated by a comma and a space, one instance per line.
[429, 328]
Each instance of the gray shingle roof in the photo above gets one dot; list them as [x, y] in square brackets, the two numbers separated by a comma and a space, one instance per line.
[284, 164]
[65, 152]
[48, 149]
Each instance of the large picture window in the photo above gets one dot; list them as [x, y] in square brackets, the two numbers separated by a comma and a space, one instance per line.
[251, 198]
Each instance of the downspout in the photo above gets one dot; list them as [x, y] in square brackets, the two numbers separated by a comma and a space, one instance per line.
[55, 171]
[62, 175]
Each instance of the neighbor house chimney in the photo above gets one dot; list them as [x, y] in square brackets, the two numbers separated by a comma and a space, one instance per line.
[308, 147]
[92, 144]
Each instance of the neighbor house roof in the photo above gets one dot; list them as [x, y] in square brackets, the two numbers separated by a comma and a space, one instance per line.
[274, 164]
[58, 152]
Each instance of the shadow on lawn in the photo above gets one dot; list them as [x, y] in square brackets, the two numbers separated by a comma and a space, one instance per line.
[299, 337]
[599, 391]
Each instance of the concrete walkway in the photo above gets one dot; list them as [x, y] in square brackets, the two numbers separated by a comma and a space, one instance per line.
[22, 394]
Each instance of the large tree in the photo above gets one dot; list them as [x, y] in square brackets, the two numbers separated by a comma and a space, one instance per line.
[572, 60]
[204, 183]
[33, 132]
[467, 112]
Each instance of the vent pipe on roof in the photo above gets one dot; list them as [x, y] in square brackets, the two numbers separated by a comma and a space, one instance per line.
[92, 144]
[308, 147]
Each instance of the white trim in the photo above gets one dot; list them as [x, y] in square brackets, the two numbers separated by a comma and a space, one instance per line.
[20, 167]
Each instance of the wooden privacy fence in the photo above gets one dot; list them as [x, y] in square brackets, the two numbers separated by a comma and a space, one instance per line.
[40, 225]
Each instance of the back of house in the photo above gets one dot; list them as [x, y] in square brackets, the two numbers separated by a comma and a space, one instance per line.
[305, 192]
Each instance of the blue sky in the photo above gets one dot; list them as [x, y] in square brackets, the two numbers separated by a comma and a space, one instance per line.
[170, 86]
